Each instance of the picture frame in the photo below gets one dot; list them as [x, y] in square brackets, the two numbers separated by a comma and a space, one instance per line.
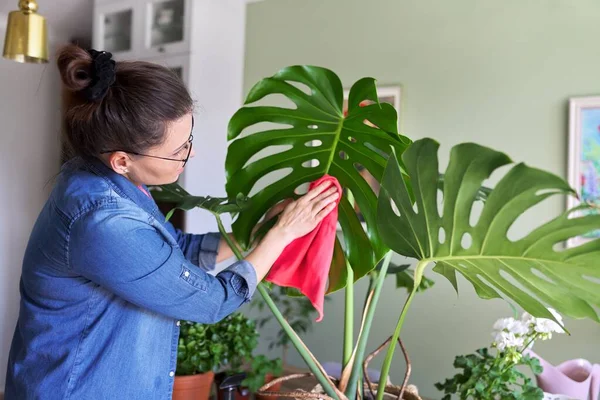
[584, 158]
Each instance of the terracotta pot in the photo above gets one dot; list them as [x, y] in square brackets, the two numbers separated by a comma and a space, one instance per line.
[274, 388]
[193, 387]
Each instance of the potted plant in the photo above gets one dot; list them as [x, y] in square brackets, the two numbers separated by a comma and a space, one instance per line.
[238, 337]
[420, 212]
[197, 359]
[493, 373]
[206, 349]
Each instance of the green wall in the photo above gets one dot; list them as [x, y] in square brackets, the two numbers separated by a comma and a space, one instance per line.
[495, 72]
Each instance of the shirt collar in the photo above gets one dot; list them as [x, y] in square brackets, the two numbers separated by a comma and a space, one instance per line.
[123, 186]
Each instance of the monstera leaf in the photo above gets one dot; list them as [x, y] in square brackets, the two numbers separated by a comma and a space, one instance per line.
[320, 140]
[173, 193]
[534, 271]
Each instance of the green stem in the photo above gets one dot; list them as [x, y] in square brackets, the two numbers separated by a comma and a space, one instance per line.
[298, 344]
[349, 316]
[364, 334]
[387, 363]
[294, 338]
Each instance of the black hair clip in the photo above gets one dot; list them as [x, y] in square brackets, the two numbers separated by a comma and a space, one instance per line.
[103, 75]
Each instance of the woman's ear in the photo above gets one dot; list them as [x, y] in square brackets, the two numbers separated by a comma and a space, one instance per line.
[119, 161]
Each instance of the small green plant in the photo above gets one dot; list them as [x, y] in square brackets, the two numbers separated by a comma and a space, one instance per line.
[239, 337]
[488, 377]
[260, 368]
[224, 345]
[197, 353]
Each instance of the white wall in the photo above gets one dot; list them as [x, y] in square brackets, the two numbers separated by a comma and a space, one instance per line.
[29, 158]
[216, 84]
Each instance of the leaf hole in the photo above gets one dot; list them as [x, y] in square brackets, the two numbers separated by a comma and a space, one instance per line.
[559, 247]
[534, 216]
[441, 235]
[276, 100]
[376, 149]
[343, 155]
[268, 151]
[548, 192]
[593, 279]
[466, 241]
[359, 167]
[313, 143]
[516, 283]
[269, 179]
[476, 209]
[305, 88]
[541, 275]
[395, 208]
[440, 202]
[352, 139]
[301, 189]
[415, 207]
[263, 127]
[313, 126]
[311, 163]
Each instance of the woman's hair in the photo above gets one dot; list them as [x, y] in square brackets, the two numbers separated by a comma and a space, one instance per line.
[131, 112]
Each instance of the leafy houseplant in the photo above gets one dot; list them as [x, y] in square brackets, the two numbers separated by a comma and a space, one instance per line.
[420, 213]
[198, 357]
[487, 377]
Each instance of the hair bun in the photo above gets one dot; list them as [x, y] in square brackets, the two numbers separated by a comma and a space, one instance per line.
[89, 72]
[74, 65]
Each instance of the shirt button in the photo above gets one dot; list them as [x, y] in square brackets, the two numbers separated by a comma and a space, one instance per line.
[186, 273]
[178, 323]
[171, 374]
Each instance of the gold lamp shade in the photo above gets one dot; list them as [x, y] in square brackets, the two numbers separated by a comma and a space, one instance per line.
[26, 38]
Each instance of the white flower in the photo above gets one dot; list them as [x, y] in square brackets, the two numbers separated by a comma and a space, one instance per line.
[527, 319]
[504, 340]
[544, 325]
[520, 328]
[504, 323]
[511, 325]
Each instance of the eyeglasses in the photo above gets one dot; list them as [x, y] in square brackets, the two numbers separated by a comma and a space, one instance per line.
[184, 161]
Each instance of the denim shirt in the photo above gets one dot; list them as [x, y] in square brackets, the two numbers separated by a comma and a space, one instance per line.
[105, 281]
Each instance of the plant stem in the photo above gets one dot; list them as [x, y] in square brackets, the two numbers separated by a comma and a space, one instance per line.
[364, 333]
[349, 316]
[298, 344]
[387, 363]
[308, 358]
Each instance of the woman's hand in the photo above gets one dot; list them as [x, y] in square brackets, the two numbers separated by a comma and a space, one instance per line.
[302, 216]
[296, 220]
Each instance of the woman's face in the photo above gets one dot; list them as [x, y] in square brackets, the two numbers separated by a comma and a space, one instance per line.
[161, 164]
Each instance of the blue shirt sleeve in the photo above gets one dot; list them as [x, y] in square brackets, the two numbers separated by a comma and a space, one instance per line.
[201, 250]
[115, 247]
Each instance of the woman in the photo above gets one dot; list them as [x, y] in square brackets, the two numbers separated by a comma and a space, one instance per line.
[105, 279]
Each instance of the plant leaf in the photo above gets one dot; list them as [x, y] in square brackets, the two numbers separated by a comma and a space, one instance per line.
[173, 193]
[528, 271]
[344, 143]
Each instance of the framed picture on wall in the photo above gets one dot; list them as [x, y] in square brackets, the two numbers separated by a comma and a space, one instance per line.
[584, 157]
[387, 94]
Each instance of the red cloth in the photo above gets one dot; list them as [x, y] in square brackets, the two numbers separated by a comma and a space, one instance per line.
[304, 263]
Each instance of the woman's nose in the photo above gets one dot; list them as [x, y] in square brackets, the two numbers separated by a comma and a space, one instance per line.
[193, 152]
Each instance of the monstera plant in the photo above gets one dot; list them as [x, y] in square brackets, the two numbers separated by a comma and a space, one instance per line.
[420, 212]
